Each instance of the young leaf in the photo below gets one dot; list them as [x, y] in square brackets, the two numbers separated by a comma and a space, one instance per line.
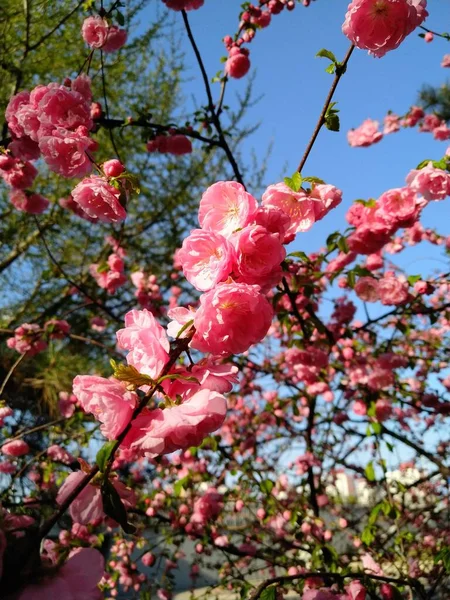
[114, 507]
[270, 593]
[324, 53]
[294, 182]
[370, 471]
[103, 454]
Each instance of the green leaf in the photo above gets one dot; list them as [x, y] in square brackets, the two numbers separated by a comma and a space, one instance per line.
[412, 279]
[444, 556]
[342, 245]
[367, 536]
[324, 53]
[351, 279]
[300, 254]
[178, 377]
[114, 507]
[294, 182]
[120, 18]
[331, 68]
[270, 593]
[179, 485]
[313, 180]
[266, 486]
[370, 471]
[332, 121]
[103, 454]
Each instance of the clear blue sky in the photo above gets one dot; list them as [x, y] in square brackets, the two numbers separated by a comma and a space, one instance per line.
[293, 85]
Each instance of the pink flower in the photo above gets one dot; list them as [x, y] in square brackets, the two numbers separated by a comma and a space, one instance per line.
[66, 152]
[391, 124]
[17, 173]
[183, 4]
[33, 204]
[57, 329]
[95, 31]
[98, 324]
[179, 144]
[273, 219]
[158, 431]
[60, 454]
[381, 25]
[100, 200]
[66, 404]
[115, 39]
[446, 61]
[15, 103]
[259, 257]
[113, 168]
[146, 340]
[226, 206]
[87, 507]
[15, 448]
[326, 198]
[364, 135]
[392, 291]
[231, 318]
[383, 409]
[77, 579]
[297, 205]
[366, 289]
[24, 148]
[356, 590]
[27, 339]
[206, 258]
[61, 107]
[238, 63]
[399, 206]
[108, 400]
[432, 183]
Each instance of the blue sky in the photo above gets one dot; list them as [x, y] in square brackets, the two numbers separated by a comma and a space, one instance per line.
[293, 84]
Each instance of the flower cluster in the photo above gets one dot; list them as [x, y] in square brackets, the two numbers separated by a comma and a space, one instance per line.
[175, 143]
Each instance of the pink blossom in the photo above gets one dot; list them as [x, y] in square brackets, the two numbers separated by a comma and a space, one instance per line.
[432, 183]
[381, 25]
[383, 409]
[100, 200]
[113, 168]
[87, 507]
[33, 204]
[366, 289]
[15, 448]
[180, 318]
[445, 61]
[12, 112]
[399, 206]
[27, 339]
[98, 324]
[226, 206]
[5, 412]
[178, 145]
[6, 468]
[146, 340]
[95, 31]
[77, 579]
[61, 107]
[183, 4]
[24, 148]
[365, 135]
[57, 328]
[441, 132]
[17, 173]
[115, 39]
[66, 152]
[391, 124]
[60, 454]
[238, 63]
[273, 219]
[108, 400]
[231, 318]
[66, 404]
[297, 205]
[259, 256]
[356, 590]
[326, 198]
[180, 426]
[392, 291]
[206, 258]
